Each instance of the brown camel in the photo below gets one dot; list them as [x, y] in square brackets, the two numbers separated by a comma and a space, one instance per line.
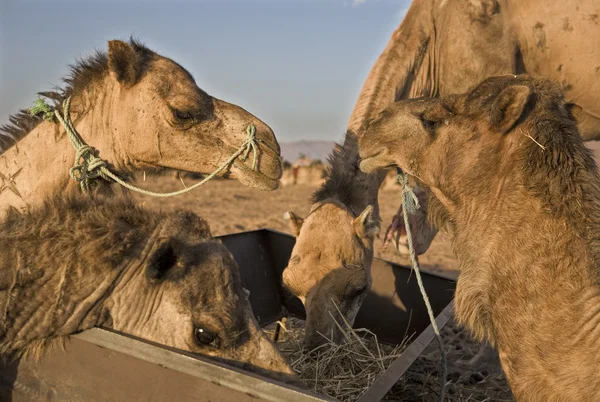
[80, 262]
[521, 193]
[443, 47]
[141, 111]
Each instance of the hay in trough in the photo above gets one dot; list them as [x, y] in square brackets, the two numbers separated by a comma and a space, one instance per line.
[345, 371]
[342, 371]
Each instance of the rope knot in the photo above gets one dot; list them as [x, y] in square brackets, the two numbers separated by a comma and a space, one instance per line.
[88, 166]
[410, 202]
[250, 145]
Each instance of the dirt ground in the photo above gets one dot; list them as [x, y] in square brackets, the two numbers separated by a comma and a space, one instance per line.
[230, 207]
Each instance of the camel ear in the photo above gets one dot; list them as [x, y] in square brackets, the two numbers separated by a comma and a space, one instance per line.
[295, 222]
[366, 226]
[162, 259]
[123, 62]
[509, 107]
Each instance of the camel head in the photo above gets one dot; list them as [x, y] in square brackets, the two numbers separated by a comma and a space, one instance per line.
[194, 300]
[470, 138]
[329, 269]
[157, 276]
[162, 119]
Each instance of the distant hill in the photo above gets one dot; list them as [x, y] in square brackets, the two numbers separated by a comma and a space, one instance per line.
[311, 149]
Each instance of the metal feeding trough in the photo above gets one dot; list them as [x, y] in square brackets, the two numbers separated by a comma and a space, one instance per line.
[102, 365]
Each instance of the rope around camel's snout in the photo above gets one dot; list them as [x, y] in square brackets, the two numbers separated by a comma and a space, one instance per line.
[88, 166]
[410, 204]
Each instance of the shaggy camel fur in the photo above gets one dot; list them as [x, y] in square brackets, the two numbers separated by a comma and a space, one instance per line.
[521, 194]
[142, 112]
[88, 261]
[443, 47]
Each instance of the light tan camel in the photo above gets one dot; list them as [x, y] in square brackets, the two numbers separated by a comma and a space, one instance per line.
[442, 47]
[521, 193]
[141, 111]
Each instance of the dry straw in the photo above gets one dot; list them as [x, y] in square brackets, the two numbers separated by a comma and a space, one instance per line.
[343, 371]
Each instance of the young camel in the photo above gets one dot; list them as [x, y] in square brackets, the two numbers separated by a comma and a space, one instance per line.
[521, 194]
[444, 47]
[142, 112]
[81, 262]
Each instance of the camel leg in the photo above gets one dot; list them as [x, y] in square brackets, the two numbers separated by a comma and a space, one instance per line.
[394, 230]
[422, 232]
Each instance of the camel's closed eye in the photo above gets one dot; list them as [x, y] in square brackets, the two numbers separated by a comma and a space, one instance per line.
[429, 125]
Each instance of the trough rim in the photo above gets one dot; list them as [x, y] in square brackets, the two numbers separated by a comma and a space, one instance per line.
[197, 366]
[386, 381]
[255, 384]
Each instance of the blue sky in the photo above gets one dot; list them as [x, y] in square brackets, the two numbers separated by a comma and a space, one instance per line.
[297, 64]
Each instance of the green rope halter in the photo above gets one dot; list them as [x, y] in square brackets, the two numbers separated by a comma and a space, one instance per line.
[88, 166]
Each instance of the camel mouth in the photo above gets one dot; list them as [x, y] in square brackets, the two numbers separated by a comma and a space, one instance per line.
[375, 162]
[253, 178]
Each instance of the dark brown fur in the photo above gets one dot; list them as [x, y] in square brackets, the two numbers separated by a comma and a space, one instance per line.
[340, 174]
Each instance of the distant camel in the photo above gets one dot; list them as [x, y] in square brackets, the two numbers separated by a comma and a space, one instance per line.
[304, 171]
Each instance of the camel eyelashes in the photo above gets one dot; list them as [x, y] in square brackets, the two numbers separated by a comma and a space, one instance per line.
[429, 125]
[205, 337]
[181, 115]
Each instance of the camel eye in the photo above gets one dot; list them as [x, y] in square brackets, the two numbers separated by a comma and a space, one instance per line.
[181, 115]
[205, 337]
[429, 125]
[353, 292]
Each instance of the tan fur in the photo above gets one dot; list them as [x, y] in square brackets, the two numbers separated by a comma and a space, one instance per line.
[142, 112]
[340, 277]
[522, 193]
[90, 261]
[447, 46]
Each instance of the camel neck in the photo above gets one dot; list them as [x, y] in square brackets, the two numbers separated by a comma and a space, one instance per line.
[38, 165]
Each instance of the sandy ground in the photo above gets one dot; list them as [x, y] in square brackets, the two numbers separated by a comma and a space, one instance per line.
[230, 207]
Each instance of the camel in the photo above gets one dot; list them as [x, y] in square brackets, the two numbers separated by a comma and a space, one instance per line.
[443, 47]
[79, 262]
[521, 192]
[334, 280]
[304, 171]
[142, 112]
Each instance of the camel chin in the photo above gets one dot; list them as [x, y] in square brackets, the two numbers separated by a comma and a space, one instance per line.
[253, 178]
